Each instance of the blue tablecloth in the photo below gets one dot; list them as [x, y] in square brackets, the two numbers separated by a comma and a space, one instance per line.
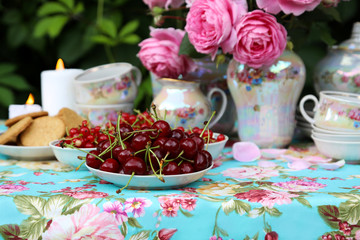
[234, 200]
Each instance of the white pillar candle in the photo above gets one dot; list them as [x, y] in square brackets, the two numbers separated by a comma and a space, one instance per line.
[17, 109]
[57, 90]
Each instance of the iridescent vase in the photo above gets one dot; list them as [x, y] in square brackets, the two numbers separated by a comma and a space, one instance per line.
[266, 99]
[340, 69]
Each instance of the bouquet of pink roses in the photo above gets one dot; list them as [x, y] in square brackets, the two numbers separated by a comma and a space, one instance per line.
[252, 34]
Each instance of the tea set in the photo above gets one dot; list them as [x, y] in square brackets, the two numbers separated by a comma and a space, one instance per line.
[335, 124]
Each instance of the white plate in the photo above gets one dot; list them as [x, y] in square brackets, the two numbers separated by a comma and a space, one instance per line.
[27, 153]
[150, 181]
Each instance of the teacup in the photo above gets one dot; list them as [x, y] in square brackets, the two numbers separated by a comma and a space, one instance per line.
[338, 111]
[114, 83]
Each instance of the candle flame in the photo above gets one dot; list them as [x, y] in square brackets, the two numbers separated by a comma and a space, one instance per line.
[30, 100]
[60, 65]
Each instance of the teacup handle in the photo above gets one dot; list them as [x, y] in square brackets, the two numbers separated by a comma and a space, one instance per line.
[222, 108]
[138, 75]
[302, 109]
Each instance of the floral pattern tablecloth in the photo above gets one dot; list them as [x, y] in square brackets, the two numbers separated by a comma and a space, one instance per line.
[234, 200]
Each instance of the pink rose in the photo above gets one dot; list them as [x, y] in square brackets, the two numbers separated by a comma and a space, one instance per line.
[261, 39]
[160, 53]
[296, 7]
[209, 24]
[163, 3]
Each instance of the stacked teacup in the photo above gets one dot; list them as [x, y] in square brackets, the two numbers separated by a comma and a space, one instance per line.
[336, 124]
[102, 92]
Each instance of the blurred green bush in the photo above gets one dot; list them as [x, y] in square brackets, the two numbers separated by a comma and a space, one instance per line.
[87, 33]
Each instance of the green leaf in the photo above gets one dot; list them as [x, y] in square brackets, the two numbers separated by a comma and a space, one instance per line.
[256, 236]
[129, 28]
[143, 235]
[131, 39]
[211, 199]
[228, 206]
[331, 11]
[186, 48]
[350, 211]
[273, 212]
[108, 27]
[134, 222]
[6, 68]
[9, 231]
[16, 35]
[330, 215]
[11, 16]
[14, 81]
[247, 238]
[68, 3]
[30, 205]
[241, 207]
[222, 231]
[54, 205]
[256, 212]
[32, 228]
[79, 8]
[103, 40]
[124, 229]
[186, 214]
[50, 25]
[303, 201]
[49, 8]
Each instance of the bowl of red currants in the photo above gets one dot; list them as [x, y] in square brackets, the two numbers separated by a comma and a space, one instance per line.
[215, 147]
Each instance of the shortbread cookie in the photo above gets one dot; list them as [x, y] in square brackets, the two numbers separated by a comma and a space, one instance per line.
[42, 131]
[13, 131]
[70, 118]
[14, 120]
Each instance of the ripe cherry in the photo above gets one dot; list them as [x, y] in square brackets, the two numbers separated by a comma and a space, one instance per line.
[189, 147]
[110, 165]
[208, 156]
[136, 165]
[177, 134]
[159, 155]
[102, 146]
[124, 154]
[199, 141]
[171, 169]
[125, 130]
[200, 161]
[163, 128]
[92, 161]
[186, 167]
[220, 138]
[172, 147]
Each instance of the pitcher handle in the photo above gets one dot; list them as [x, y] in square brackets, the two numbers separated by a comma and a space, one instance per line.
[138, 75]
[302, 109]
[220, 113]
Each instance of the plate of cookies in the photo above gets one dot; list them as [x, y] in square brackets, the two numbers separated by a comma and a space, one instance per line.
[28, 136]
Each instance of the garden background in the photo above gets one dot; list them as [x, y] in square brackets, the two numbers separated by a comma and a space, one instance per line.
[88, 33]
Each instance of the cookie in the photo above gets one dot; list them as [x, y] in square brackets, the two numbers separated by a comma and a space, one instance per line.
[42, 131]
[70, 118]
[13, 131]
[14, 120]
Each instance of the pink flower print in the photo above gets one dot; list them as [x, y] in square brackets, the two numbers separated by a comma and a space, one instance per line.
[300, 186]
[345, 79]
[243, 76]
[116, 208]
[169, 209]
[206, 179]
[267, 198]
[176, 201]
[356, 187]
[215, 238]
[201, 111]
[271, 75]
[104, 182]
[86, 194]
[189, 189]
[250, 172]
[137, 206]
[354, 114]
[166, 233]
[38, 173]
[22, 182]
[87, 223]
[120, 86]
[345, 228]
[11, 188]
[357, 80]
[188, 204]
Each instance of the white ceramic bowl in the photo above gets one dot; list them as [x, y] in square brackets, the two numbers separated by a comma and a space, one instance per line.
[150, 181]
[349, 151]
[113, 83]
[336, 137]
[69, 156]
[335, 132]
[216, 148]
[27, 153]
[98, 115]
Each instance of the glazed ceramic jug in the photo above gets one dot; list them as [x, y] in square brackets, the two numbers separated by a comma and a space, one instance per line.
[182, 103]
[340, 69]
[266, 99]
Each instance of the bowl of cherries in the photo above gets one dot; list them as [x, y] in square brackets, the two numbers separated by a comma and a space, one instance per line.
[149, 156]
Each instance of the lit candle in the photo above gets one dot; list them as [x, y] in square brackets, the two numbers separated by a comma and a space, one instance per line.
[57, 90]
[29, 107]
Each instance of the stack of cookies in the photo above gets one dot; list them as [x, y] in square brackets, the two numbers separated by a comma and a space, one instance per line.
[38, 128]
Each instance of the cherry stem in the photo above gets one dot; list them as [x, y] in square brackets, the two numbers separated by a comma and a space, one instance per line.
[207, 123]
[153, 107]
[127, 184]
[118, 130]
[145, 118]
[71, 146]
[108, 149]
[78, 167]
[185, 159]
[152, 168]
